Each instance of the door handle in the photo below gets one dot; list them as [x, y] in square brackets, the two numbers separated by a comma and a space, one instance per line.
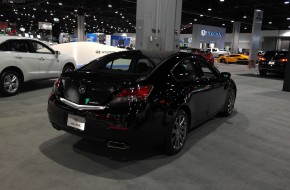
[18, 57]
[41, 59]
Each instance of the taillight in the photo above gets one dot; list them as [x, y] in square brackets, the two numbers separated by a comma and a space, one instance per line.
[262, 59]
[54, 88]
[283, 60]
[55, 85]
[139, 93]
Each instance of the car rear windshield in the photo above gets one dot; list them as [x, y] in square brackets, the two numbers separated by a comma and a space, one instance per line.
[275, 54]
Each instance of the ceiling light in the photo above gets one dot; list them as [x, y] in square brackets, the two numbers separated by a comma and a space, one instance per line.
[222, 0]
[201, 15]
[76, 10]
[60, 4]
[245, 16]
[245, 28]
[195, 19]
[232, 21]
[286, 2]
[223, 24]
[110, 5]
[270, 22]
[288, 18]
[190, 23]
[116, 12]
[34, 9]
[47, 2]
[209, 9]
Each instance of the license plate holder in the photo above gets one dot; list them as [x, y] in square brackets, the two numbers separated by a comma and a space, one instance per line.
[76, 122]
[271, 62]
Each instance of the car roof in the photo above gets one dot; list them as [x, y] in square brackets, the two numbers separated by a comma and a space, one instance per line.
[4, 38]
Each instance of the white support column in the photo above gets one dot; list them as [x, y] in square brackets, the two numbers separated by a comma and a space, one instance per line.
[236, 36]
[158, 24]
[256, 36]
[81, 28]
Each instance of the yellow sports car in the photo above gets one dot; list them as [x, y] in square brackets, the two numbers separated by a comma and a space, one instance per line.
[234, 58]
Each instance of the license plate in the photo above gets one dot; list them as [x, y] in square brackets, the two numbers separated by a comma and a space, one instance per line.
[76, 122]
[271, 62]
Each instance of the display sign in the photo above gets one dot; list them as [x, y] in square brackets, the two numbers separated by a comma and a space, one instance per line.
[209, 33]
[120, 41]
[92, 37]
[45, 25]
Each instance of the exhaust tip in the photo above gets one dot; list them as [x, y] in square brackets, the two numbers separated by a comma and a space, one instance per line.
[117, 145]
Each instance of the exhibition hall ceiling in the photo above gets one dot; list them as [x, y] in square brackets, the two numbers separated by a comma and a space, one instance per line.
[112, 16]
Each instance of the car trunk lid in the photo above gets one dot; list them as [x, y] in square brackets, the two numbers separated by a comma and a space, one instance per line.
[94, 88]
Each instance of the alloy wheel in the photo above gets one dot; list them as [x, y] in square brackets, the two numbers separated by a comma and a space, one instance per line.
[231, 101]
[179, 132]
[11, 83]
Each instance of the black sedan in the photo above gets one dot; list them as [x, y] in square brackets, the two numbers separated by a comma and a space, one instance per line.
[123, 99]
[273, 62]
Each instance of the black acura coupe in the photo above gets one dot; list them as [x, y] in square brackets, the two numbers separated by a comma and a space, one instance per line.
[125, 99]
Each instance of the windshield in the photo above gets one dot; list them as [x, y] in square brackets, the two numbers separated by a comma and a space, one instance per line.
[275, 54]
[120, 63]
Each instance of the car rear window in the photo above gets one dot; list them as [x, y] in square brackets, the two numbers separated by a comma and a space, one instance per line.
[275, 54]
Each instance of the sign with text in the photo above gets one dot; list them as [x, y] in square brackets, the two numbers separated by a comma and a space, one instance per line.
[209, 33]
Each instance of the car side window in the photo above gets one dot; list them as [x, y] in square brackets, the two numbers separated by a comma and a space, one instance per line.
[19, 46]
[119, 64]
[184, 71]
[40, 48]
[144, 65]
[4, 46]
[204, 69]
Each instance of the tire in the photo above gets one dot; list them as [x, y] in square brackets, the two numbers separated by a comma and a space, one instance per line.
[222, 60]
[67, 68]
[10, 83]
[262, 72]
[177, 133]
[230, 103]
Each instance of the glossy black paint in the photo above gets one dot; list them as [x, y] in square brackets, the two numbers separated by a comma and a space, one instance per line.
[271, 62]
[142, 122]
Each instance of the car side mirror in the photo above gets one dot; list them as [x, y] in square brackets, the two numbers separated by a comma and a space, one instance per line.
[57, 53]
[226, 75]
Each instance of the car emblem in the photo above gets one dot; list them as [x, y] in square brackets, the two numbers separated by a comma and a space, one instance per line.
[82, 89]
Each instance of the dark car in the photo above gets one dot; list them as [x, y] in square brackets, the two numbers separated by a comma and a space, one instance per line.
[124, 100]
[273, 62]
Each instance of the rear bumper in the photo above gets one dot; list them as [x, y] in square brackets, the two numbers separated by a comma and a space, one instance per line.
[272, 68]
[115, 126]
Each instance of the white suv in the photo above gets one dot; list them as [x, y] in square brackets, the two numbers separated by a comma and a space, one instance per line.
[24, 59]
